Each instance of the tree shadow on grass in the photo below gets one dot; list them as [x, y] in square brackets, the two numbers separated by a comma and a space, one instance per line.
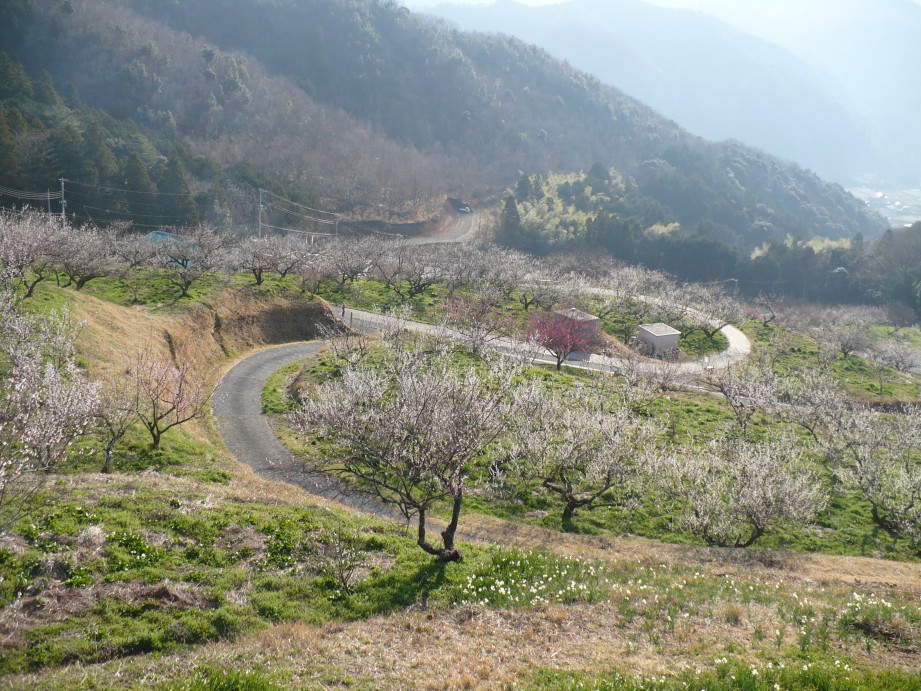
[399, 589]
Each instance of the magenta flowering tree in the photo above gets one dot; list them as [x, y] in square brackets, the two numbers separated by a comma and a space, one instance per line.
[563, 335]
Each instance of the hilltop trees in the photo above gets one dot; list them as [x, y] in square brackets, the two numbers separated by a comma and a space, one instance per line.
[177, 205]
[140, 197]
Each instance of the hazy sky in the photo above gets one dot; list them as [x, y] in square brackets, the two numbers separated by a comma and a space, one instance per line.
[696, 4]
[429, 3]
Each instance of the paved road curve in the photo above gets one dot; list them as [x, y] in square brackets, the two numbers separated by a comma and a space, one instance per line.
[739, 346]
[246, 432]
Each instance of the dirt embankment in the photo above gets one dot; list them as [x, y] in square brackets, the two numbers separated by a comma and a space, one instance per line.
[209, 333]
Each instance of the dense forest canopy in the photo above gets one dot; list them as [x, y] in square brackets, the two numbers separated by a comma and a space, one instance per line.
[596, 210]
[361, 107]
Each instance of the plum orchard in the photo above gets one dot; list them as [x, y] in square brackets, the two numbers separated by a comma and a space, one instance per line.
[412, 428]
[410, 431]
[46, 403]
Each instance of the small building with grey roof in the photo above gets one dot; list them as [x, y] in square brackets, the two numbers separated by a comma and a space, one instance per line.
[661, 338]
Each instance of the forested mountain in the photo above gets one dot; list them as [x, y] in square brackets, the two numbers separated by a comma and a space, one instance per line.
[717, 81]
[358, 106]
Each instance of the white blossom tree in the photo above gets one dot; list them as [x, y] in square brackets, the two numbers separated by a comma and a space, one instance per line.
[733, 491]
[898, 355]
[747, 389]
[879, 456]
[46, 403]
[409, 432]
[190, 254]
[114, 415]
[571, 446]
[275, 254]
[479, 318]
[165, 394]
[27, 248]
[85, 254]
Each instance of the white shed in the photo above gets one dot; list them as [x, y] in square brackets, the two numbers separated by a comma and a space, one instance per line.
[661, 338]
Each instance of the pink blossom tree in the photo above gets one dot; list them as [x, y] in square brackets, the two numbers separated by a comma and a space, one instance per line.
[562, 335]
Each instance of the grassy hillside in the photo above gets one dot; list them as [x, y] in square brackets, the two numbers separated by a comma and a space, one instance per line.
[182, 569]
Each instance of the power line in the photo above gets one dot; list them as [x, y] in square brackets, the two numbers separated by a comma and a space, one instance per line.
[82, 217]
[300, 206]
[377, 232]
[304, 216]
[123, 213]
[34, 196]
[88, 195]
[118, 189]
[302, 232]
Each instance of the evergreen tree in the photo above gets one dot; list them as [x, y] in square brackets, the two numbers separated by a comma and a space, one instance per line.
[523, 188]
[99, 152]
[68, 157]
[177, 205]
[599, 172]
[13, 79]
[16, 120]
[45, 91]
[9, 160]
[509, 223]
[140, 198]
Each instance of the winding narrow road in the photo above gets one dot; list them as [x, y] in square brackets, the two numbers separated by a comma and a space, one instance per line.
[738, 349]
[246, 432]
[245, 429]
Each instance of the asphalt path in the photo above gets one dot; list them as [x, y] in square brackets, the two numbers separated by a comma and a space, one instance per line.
[246, 432]
[245, 429]
[738, 349]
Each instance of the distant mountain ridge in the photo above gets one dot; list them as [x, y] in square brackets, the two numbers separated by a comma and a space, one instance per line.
[722, 81]
[365, 107]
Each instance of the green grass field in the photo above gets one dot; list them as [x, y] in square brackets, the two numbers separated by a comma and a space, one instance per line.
[180, 570]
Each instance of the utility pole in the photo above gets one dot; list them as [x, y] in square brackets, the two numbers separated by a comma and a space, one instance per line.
[260, 212]
[63, 206]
